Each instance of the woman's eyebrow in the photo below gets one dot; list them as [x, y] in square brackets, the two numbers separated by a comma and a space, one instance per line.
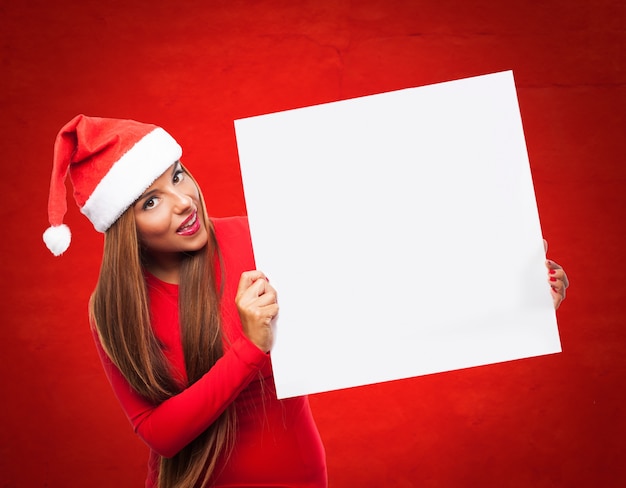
[144, 196]
[175, 167]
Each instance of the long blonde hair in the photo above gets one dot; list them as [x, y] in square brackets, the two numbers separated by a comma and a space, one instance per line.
[119, 309]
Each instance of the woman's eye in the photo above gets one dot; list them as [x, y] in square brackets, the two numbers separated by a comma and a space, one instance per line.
[149, 203]
[178, 176]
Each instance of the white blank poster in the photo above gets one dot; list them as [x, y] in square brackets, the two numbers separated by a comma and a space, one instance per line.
[401, 233]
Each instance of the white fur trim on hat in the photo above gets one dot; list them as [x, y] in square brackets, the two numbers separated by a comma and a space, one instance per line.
[129, 177]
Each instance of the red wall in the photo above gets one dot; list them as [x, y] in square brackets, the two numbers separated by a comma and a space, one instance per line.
[195, 66]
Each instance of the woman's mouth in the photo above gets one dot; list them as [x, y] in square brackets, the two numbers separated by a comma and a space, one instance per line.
[190, 226]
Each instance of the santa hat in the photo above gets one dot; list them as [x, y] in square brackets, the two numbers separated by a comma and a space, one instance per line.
[111, 162]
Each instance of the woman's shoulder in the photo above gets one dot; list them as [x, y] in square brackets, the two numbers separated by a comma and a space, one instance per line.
[233, 222]
[228, 229]
[233, 238]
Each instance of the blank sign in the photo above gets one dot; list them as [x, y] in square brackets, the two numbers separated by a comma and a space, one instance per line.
[401, 232]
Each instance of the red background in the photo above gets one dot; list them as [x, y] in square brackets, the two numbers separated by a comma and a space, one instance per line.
[195, 66]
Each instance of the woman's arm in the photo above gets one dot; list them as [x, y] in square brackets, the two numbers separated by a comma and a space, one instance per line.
[171, 425]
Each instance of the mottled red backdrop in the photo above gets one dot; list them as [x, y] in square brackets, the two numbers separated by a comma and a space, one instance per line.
[195, 66]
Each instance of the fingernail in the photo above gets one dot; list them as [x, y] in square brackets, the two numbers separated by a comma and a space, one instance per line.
[552, 271]
[552, 278]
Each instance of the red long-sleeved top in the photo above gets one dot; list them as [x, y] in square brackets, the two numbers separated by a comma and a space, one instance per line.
[277, 442]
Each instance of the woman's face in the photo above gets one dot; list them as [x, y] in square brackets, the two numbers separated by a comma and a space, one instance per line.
[168, 215]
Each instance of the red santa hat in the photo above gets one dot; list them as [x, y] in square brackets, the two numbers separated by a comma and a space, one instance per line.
[111, 162]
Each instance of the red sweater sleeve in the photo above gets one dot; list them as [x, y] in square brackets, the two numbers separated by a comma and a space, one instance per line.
[171, 425]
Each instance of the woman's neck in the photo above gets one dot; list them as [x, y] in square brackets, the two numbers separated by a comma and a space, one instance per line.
[165, 267]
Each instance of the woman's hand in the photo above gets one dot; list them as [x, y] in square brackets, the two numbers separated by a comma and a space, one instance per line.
[557, 279]
[257, 306]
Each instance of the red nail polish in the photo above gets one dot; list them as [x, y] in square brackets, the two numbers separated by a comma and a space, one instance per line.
[552, 271]
[552, 278]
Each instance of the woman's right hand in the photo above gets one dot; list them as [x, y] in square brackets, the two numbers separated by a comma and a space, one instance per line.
[257, 305]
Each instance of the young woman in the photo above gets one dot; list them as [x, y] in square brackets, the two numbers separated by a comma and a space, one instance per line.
[181, 318]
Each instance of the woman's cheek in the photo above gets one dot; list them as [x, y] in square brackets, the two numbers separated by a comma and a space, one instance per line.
[154, 223]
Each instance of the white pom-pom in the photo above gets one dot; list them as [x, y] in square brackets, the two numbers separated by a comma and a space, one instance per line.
[57, 238]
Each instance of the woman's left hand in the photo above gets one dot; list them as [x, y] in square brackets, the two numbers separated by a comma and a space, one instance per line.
[557, 279]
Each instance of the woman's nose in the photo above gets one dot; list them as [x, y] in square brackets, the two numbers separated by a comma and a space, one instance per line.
[182, 202]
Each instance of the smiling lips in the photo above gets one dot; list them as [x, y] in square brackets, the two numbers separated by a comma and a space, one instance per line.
[190, 226]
